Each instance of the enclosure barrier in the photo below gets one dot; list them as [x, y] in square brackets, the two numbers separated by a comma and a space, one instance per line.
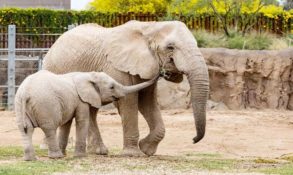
[21, 54]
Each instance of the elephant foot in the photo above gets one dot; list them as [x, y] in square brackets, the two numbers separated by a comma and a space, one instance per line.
[148, 148]
[55, 154]
[29, 157]
[63, 152]
[91, 149]
[102, 150]
[132, 152]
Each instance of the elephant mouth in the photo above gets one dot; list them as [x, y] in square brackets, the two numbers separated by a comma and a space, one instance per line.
[115, 98]
[172, 76]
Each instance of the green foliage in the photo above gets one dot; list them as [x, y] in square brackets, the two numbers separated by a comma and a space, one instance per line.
[51, 21]
[206, 39]
[236, 42]
[57, 21]
[252, 41]
[259, 42]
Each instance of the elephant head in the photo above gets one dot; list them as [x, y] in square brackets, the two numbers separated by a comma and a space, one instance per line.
[97, 88]
[147, 48]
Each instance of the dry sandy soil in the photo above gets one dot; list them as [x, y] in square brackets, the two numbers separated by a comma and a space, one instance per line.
[231, 133]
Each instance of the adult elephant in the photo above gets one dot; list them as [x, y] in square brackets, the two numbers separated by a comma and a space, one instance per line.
[132, 53]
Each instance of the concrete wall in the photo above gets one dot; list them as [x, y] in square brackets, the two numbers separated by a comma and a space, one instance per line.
[51, 4]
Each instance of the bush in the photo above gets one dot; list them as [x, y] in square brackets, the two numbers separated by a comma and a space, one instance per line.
[252, 41]
[259, 42]
[236, 41]
[206, 39]
[56, 21]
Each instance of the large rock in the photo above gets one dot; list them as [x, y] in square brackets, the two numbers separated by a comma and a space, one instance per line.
[239, 79]
[251, 79]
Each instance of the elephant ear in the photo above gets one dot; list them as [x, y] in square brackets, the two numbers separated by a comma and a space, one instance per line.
[86, 89]
[129, 52]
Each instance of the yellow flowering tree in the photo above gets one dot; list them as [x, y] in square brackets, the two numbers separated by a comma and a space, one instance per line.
[125, 6]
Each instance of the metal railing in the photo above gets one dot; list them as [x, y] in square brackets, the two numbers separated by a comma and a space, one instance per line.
[20, 55]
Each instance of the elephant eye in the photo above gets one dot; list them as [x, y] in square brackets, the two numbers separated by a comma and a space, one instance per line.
[170, 47]
[112, 87]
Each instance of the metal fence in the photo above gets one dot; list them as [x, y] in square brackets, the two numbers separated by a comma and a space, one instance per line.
[21, 54]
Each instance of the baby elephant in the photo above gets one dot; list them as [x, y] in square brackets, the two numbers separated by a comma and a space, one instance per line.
[48, 100]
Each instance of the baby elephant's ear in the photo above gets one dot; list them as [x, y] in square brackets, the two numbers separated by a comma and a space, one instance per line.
[86, 90]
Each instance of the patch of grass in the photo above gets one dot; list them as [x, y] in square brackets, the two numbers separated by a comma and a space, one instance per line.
[10, 152]
[115, 151]
[34, 167]
[286, 169]
[203, 155]
[288, 158]
[219, 164]
[17, 151]
[261, 160]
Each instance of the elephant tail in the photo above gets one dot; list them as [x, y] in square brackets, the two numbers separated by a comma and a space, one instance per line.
[26, 120]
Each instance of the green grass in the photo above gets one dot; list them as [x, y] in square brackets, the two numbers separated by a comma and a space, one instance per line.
[204, 155]
[17, 152]
[34, 167]
[11, 163]
[11, 152]
[286, 169]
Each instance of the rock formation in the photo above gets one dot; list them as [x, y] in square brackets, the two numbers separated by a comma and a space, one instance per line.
[240, 79]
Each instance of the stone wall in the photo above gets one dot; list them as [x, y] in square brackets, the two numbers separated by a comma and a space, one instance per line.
[240, 79]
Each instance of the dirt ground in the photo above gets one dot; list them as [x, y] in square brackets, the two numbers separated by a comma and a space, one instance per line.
[231, 133]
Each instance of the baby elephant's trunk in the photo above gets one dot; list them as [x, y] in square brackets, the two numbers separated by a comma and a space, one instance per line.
[137, 87]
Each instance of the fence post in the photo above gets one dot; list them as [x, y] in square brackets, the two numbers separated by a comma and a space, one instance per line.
[40, 62]
[11, 66]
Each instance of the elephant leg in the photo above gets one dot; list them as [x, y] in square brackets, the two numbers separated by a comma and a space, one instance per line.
[82, 124]
[53, 146]
[29, 152]
[63, 135]
[128, 110]
[95, 141]
[148, 106]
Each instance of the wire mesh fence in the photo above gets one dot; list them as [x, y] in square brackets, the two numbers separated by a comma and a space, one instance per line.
[21, 53]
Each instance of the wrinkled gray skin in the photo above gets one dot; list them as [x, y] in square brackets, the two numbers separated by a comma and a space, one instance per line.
[132, 53]
[48, 100]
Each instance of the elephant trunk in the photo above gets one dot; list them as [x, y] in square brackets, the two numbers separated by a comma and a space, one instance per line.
[198, 78]
[199, 88]
[137, 87]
